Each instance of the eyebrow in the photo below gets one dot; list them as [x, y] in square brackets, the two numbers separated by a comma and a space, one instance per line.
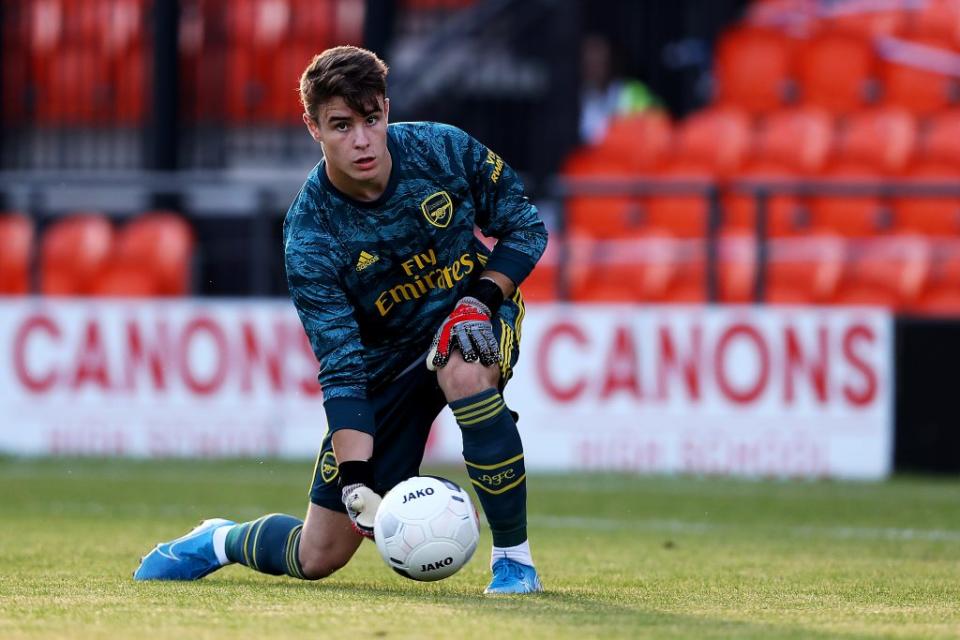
[337, 118]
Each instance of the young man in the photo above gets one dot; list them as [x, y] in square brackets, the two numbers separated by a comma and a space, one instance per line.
[407, 312]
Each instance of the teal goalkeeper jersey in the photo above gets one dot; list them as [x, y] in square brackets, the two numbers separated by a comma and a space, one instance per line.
[372, 281]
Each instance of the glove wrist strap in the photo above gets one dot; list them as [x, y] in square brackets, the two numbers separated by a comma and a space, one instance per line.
[488, 292]
[356, 472]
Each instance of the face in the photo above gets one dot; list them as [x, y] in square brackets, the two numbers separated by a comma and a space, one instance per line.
[354, 144]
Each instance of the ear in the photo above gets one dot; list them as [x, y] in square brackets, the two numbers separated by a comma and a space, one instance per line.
[312, 127]
[386, 109]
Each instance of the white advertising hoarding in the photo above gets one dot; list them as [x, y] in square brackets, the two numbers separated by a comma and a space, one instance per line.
[798, 391]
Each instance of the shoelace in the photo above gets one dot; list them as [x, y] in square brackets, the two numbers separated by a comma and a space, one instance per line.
[508, 570]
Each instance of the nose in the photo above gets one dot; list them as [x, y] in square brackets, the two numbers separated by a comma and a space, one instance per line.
[361, 140]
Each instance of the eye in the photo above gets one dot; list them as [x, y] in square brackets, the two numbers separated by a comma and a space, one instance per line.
[372, 120]
[341, 126]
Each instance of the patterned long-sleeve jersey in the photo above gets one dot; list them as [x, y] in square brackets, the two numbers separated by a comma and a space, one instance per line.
[372, 281]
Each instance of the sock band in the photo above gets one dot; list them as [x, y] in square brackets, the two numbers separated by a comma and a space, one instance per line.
[493, 455]
[270, 544]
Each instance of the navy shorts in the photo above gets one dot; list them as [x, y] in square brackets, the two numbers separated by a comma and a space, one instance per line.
[404, 411]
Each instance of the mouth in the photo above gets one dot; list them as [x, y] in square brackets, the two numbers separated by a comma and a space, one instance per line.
[366, 162]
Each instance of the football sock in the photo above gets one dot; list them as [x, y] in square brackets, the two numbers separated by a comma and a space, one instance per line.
[270, 544]
[520, 553]
[494, 456]
[220, 544]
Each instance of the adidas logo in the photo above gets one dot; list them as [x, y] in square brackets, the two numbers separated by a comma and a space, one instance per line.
[365, 260]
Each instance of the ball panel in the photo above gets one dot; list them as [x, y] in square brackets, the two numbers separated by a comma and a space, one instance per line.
[426, 528]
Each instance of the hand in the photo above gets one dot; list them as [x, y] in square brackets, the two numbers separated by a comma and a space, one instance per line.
[362, 503]
[467, 328]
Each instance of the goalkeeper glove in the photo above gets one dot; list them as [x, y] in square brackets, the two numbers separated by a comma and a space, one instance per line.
[361, 501]
[468, 327]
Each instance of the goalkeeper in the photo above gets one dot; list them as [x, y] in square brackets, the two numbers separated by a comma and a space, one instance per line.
[407, 312]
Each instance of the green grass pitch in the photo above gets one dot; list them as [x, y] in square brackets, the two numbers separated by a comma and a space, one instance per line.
[620, 556]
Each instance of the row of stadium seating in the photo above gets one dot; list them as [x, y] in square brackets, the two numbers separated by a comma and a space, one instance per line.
[87, 62]
[84, 254]
[832, 66]
[909, 273]
[876, 149]
[923, 18]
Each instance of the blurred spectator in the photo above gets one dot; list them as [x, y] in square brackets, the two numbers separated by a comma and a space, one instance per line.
[604, 93]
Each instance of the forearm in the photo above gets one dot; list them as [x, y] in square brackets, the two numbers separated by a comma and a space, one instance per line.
[350, 444]
[506, 284]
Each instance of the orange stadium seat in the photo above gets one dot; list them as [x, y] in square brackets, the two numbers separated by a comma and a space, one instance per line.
[836, 71]
[640, 267]
[153, 257]
[799, 139]
[718, 138]
[753, 69]
[639, 142]
[804, 270]
[790, 144]
[882, 139]
[867, 20]
[737, 267]
[682, 213]
[74, 253]
[891, 272]
[922, 91]
[601, 216]
[929, 215]
[849, 214]
[16, 249]
[941, 139]
[542, 283]
[936, 19]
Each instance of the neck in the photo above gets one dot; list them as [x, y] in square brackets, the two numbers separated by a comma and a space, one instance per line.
[362, 190]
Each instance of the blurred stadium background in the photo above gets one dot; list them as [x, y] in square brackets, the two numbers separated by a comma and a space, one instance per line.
[776, 177]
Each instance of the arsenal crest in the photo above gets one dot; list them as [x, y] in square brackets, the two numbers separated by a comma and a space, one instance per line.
[438, 209]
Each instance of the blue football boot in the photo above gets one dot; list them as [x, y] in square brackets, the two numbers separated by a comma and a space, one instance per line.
[510, 576]
[189, 557]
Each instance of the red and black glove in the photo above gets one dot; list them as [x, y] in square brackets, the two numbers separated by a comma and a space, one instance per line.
[468, 328]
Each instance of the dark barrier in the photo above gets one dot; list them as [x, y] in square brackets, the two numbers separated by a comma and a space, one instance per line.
[927, 411]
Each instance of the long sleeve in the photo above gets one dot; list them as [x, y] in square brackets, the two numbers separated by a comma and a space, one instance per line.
[503, 211]
[329, 321]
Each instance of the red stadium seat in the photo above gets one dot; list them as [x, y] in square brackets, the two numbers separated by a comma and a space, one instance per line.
[936, 19]
[804, 270]
[638, 142]
[753, 69]
[737, 266]
[921, 90]
[153, 257]
[541, 284]
[642, 267]
[790, 144]
[600, 216]
[891, 272]
[16, 249]
[75, 252]
[867, 19]
[836, 71]
[799, 140]
[941, 140]
[883, 139]
[684, 213]
[717, 138]
[850, 214]
[786, 214]
[929, 215]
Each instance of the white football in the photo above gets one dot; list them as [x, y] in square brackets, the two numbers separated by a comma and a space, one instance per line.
[426, 528]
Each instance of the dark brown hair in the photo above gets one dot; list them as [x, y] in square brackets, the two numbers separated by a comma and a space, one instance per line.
[356, 75]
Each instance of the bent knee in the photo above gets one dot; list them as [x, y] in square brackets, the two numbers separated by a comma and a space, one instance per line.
[460, 379]
[318, 562]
